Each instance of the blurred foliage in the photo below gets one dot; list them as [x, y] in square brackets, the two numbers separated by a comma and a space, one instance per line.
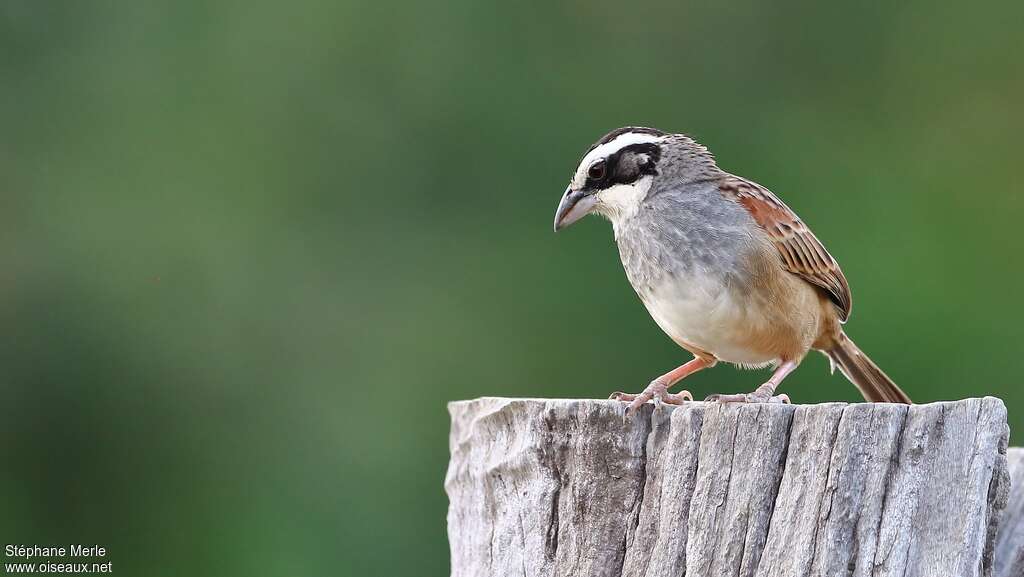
[251, 249]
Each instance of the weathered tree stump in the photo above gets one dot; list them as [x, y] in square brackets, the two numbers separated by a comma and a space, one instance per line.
[1009, 561]
[571, 488]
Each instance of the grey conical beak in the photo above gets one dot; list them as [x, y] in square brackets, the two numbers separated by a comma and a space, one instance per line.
[575, 205]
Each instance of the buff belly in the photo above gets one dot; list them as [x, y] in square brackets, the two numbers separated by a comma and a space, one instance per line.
[737, 325]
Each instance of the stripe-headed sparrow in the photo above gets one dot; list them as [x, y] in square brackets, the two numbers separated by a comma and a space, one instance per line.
[726, 269]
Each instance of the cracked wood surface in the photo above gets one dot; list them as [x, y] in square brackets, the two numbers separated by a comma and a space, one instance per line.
[570, 488]
[1009, 546]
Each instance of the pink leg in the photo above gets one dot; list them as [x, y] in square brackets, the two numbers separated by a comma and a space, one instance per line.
[766, 392]
[658, 389]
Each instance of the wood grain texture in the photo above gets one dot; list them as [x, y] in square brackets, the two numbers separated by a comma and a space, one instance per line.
[570, 487]
[1009, 546]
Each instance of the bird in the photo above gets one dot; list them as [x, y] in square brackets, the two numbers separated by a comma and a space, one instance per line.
[724, 267]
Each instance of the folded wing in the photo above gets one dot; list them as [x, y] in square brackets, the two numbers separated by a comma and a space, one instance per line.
[802, 253]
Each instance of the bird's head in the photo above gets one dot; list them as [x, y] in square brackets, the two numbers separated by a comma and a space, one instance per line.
[618, 172]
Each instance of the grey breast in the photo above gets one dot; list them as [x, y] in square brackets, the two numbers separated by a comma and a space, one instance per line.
[682, 231]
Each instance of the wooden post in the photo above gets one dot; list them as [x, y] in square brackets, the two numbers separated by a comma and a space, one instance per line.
[571, 488]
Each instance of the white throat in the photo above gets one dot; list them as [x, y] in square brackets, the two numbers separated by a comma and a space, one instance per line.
[622, 201]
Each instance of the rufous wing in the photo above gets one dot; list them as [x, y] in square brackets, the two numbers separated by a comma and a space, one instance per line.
[802, 253]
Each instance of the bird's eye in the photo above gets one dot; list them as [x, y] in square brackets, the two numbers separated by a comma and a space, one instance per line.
[596, 170]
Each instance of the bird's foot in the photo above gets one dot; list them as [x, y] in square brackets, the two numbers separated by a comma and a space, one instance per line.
[763, 394]
[657, 391]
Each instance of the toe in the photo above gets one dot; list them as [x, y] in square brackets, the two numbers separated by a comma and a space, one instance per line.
[620, 396]
[635, 405]
[638, 401]
[678, 398]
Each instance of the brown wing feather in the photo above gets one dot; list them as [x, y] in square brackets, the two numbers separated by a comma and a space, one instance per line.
[801, 251]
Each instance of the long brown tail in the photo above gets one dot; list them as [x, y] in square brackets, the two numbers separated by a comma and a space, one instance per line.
[875, 385]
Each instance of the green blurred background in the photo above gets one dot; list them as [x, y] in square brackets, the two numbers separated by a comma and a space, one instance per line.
[251, 249]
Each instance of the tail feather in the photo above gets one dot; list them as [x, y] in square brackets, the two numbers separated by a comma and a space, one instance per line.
[874, 384]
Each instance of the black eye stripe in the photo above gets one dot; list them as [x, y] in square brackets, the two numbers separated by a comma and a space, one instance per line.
[649, 148]
[612, 175]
